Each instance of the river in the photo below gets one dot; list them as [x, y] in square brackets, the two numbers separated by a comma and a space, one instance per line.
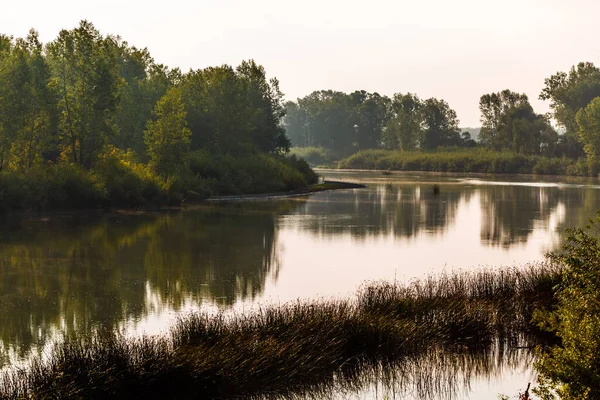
[136, 272]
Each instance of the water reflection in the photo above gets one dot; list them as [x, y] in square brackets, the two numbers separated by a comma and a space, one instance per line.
[509, 213]
[397, 209]
[75, 275]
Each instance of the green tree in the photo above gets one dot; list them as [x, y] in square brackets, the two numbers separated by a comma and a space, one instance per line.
[167, 137]
[295, 125]
[143, 83]
[440, 125]
[404, 130]
[266, 112]
[27, 104]
[494, 108]
[588, 122]
[86, 72]
[372, 113]
[568, 93]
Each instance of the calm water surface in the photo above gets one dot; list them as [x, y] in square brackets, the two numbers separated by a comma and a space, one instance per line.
[135, 273]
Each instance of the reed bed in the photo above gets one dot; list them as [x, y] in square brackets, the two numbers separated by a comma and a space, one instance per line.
[388, 330]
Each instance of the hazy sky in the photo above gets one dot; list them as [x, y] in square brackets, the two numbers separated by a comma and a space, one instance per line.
[452, 49]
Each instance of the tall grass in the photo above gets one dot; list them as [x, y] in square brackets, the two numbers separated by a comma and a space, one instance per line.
[473, 160]
[305, 347]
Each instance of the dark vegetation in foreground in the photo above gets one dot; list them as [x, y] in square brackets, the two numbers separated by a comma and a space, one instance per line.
[474, 160]
[304, 348]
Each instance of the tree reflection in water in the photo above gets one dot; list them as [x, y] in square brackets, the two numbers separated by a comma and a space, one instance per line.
[77, 275]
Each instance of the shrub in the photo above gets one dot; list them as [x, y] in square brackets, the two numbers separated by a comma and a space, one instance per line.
[572, 370]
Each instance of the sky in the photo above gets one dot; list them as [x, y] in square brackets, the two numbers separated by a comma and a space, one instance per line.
[455, 50]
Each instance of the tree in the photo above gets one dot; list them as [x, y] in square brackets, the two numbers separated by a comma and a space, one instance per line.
[440, 125]
[568, 93]
[372, 115]
[494, 107]
[143, 83]
[86, 72]
[167, 137]
[510, 123]
[27, 104]
[588, 122]
[266, 108]
[404, 130]
[295, 125]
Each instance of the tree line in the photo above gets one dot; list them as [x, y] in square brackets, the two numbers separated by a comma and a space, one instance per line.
[85, 96]
[346, 123]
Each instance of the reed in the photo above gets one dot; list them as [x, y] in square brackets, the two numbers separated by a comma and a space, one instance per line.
[306, 347]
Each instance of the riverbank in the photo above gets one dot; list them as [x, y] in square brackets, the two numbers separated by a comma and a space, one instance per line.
[303, 347]
[467, 161]
[118, 183]
[316, 188]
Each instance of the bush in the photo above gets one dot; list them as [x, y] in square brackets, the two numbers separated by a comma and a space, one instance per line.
[62, 186]
[253, 173]
[572, 370]
[127, 182]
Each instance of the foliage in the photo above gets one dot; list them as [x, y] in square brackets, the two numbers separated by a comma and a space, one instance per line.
[572, 370]
[313, 155]
[234, 110]
[509, 123]
[86, 76]
[480, 160]
[339, 122]
[568, 93]
[167, 138]
[588, 122]
[90, 109]
[262, 173]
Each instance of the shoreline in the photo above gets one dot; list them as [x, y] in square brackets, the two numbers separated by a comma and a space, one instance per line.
[384, 173]
[47, 216]
[319, 187]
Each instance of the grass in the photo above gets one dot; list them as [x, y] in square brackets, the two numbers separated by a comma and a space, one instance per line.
[473, 160]
[303, 348]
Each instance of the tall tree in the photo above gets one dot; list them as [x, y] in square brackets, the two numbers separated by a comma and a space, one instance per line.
[27, 109]
[568, 93]
[143, 83]
[86, 70]
[404, 131]
[510, 123]
[372, 115]
[440, 125]
[588, 122]
[494, 107]
[266, 108]
[167, 137]
[296, 125]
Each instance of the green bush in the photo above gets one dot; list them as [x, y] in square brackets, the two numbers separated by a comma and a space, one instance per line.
[572, 369]
[62, 186]
[254, 173]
